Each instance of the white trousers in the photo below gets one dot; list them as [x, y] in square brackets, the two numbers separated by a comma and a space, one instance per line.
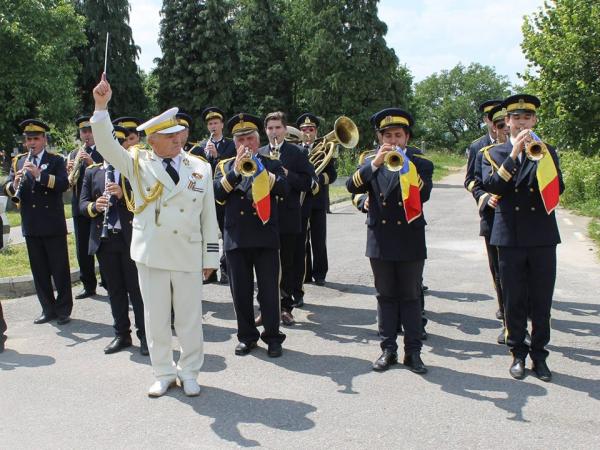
[161, 289]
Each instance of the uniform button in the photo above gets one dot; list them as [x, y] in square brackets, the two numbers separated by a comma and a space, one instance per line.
[242, 197]
[242, 213]
[381, 194]
[254, 213]
[383, 221]
[533, 208]
[174, 231]
[181, 210]
[399, 222]
[47, 207]
[384, 204]
[130, 222]
[516, 208]
[147, 188]
[45, 192]
[516, 190]
[33, 206]
[531, 189]
[194, 199]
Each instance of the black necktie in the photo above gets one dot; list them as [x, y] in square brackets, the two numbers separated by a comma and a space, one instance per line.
[171, 170]
[113, 213]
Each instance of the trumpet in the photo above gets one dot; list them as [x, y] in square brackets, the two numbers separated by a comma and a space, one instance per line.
[535, 149]
[19, 191]
[248, 166]
[76, 170]
[394, 160]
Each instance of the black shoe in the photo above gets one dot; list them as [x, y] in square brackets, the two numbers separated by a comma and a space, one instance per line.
[275, 350]
[287, 319]
[44, 318]
[425, 288]
[541, 370]
[387, 358]
[298, 301]
[517, 368]
[500, 315]
[243, 348]
[63, 320]
[118, 344]
[224, 278]
[502, 337]
[527, 340]
[414, 362]
[212, 278]
[85, 294]
[320, 282]
[144, 347]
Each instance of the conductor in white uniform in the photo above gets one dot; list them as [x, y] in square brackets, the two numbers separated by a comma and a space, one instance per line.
[174, 237]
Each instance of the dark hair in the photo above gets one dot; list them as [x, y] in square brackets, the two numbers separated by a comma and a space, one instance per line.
[277, 115]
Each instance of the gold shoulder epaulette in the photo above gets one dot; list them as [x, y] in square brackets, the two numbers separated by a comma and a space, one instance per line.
[91, 166]
[221, 165]
[420, 155]
[364, 155]
[487, 147]
[486, 153]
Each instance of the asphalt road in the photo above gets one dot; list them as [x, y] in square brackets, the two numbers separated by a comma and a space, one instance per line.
[58, 389]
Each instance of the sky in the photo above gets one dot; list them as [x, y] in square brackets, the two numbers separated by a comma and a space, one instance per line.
[428, 35]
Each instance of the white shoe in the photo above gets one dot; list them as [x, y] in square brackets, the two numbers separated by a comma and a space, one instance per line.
[191, 388]
[160, 388]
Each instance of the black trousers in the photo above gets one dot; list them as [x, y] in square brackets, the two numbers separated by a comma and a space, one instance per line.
[221, 222]
[49, 261]
[300, 259]
[122, 285]
[318, 243]
[398, 285]
[527, 275]
[2, 325]
[492, 253]
[242, 263]
[287, 283]
[87, 271]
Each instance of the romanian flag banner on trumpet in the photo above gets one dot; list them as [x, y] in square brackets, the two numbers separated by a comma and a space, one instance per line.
[547, 178]
[260, 191]
[409, 186]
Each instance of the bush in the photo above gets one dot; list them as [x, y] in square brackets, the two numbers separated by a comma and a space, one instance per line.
[581, 175]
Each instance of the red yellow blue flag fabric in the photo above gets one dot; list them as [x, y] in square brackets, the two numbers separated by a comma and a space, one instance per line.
[409, 186]
[260, 192]
[547, 178]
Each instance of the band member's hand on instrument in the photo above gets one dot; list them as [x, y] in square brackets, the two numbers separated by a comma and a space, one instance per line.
[70, 163]
[285, 171]
[492, 201]
[522, 138]
[102, 94]
[366, 204]
[85, 156]
[32, 169]
[241, 152]
[114, 189]
[380, 156]
[206, 273]
[101, 203]
[211, 148]
[18, 175]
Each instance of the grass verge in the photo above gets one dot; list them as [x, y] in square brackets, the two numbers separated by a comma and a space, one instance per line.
[14, 260]
[445, 162]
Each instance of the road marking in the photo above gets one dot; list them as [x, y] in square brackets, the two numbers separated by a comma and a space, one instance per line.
[579, 236]
[567, 221]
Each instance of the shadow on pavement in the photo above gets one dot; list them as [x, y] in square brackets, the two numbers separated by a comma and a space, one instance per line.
[92, 331]
[584, 355]
[588, 386]
[577, 309]
[11, 360]
[504, 393]
[229, 409]
[576, 328]
[459, 296]
[351, 288]
[467, 324]
[339, 369]
[214, 333]
[463, 350]
[447, 186]
[223, 311]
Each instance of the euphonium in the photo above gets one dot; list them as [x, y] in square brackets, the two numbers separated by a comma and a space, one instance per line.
[248, 166]
[345, 133]
[535, 149]
[394, 160]
[76, 170]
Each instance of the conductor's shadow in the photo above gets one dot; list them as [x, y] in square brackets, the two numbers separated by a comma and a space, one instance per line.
[576, 328]
[463, 350]
[80, 331]
[351, 288]
[12, 359]
[220, 310]
[584, 355]
[504, 393]
[214, 333]
[588, 386]
[460, 296]
[577, 309]
[467, 324]
[340, 369]
[229, 409]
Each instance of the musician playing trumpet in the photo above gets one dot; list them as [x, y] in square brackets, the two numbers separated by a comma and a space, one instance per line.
[396, 235]
[526, 232]
[103, 202]
[77, 162]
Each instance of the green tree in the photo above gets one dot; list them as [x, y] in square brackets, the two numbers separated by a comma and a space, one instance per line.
[446, 104]
[113, 17]
[199, 55]
[151, 86]
[263, 82]
[37, 74]
[562, 44]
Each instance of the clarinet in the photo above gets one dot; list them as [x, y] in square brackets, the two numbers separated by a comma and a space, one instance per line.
[17, 197]
[104, 234]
